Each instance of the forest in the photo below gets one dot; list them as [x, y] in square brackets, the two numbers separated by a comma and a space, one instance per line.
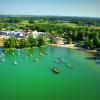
[85, 31]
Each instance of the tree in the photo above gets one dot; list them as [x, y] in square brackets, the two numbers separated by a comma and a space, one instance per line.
[89, 43]
[75, 36]
[69, 40]
[96, 42]
[22, 43]
[51, 40]
[35, 42]
[42, 40]
[30, 40]
[11, 42]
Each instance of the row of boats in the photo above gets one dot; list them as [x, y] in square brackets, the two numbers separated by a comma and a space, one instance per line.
[61, 61]
[15, 62]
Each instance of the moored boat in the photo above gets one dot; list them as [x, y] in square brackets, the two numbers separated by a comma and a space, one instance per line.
[55, 70]
[15, 63]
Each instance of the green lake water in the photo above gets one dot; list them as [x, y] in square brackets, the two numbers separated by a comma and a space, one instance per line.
[35, 80]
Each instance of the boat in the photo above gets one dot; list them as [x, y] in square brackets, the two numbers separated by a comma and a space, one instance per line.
[69, 66]
[25, 56]
[3, 54]
[41, 54]
[58, 58]
[46, 52]
[30, 55]
[57, 61]
[3, 60]
[13, 53]
[18, 49]
[55, 70]
[62, 60]
[36, 60]
[15, 63]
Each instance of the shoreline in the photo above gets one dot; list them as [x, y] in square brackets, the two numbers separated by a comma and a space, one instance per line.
[70, 46]
[73, 46]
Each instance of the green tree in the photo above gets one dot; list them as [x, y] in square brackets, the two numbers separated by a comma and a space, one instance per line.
[11, 42]
[35, 42]
[30, 40]
[96, 42]
[89, 43]
[42, 40]
[69, 40]
[22, 43]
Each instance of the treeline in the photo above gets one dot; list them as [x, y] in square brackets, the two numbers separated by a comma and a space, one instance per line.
[30, 41]
[51, 19]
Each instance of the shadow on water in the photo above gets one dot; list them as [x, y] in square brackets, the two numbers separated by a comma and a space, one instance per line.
[98, 62]
[92, 58]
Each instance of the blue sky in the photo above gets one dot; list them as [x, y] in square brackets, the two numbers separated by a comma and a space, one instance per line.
[90, 8]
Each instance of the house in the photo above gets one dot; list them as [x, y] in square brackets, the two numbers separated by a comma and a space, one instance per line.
[20, 34]
[36, 34]
[58, 40]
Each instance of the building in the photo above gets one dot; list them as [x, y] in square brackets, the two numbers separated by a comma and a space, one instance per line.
[58, 40]
[36, 34]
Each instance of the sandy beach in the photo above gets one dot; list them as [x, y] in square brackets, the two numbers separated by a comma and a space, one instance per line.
[73, 46]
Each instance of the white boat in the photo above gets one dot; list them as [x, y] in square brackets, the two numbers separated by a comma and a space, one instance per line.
[41, 54]
[46, 52]
[3, 60]
[2, 54]
[57, 61]
[15, 63]
[63, 61]
[36, 59]
[69, 66]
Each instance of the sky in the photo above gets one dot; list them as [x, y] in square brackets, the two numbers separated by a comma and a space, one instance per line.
[87, 8]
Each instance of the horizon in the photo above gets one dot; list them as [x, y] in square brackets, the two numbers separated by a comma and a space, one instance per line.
[18, 15]
[74, 8]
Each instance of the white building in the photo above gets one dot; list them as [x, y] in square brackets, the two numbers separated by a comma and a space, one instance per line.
[36, 34]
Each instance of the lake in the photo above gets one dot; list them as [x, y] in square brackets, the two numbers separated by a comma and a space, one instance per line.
[32, 78]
